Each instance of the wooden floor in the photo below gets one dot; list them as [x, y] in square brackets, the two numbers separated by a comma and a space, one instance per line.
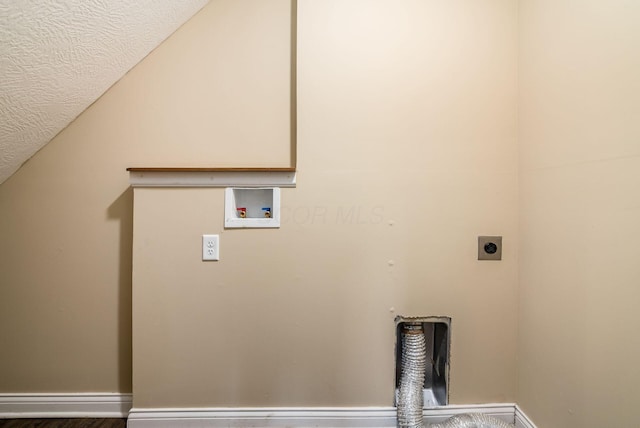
[63, 423]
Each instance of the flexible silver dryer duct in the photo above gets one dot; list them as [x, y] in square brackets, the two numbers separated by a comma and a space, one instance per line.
[472, 420]
[411, 395]
[412, 369]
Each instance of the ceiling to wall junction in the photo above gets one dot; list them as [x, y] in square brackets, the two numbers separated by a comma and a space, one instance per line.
[56, 58]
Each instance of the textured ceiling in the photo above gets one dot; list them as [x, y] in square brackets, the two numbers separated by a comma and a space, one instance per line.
[57, 57]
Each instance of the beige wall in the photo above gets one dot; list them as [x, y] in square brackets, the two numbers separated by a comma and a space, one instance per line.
[406, 133]
[579, 205]
[407, 151]
[407, 147]
[216, 93]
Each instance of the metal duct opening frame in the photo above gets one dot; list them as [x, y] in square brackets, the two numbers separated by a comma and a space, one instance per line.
[437, 332]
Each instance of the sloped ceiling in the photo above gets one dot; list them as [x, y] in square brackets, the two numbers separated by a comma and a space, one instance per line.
[58, 56]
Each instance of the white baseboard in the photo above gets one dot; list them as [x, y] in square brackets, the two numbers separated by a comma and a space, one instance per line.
[522, 421]
[79, 405]
[356, 417]
[115, 405]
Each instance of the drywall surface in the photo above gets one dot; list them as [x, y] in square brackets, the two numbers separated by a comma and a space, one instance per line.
[216, 93]
[56, 58]
[579, 204]
[406, 153]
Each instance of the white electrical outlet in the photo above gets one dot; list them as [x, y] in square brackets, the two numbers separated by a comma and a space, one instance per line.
[210, 247]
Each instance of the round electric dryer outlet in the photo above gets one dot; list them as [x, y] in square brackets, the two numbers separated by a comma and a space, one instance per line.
[489, 247]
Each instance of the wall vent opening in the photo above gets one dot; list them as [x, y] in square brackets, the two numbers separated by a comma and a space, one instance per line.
[437, 332]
